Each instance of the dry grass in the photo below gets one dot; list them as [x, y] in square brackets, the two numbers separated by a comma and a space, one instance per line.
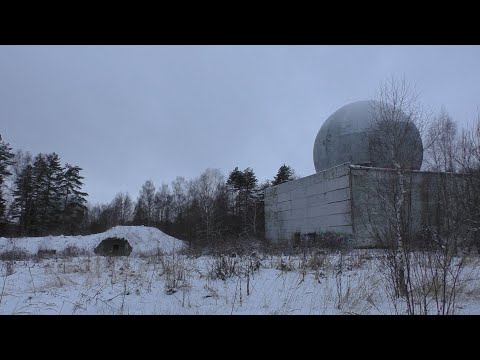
[314, 281]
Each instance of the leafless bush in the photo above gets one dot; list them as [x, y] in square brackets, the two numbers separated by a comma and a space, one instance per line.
[177, 270]
[72, 251]
[9, 267]
[316, 261]
[87, 263]
[343, 291]
[224, 267]
[230, 245]
[14, 255]
[44, 253]
[285, 263]
[242, 268]
[434, 279]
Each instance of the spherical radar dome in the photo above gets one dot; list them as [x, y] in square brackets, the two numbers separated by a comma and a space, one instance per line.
[353, 134]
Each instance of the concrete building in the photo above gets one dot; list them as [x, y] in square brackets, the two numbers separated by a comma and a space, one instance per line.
[345, 199]
[342, 196]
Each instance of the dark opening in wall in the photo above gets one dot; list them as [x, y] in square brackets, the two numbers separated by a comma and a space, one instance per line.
[113, 247]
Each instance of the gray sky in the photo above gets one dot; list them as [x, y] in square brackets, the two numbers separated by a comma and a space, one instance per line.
[126, 114]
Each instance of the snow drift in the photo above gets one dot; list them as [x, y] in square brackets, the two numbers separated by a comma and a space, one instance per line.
[142, 239]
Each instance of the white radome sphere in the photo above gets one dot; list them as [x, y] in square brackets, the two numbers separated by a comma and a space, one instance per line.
[346, 136]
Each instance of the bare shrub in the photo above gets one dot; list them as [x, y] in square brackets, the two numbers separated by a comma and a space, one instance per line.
[309, 243]
[224, 267]
[72, 251]
[14, 255]
[9, 267]
[285, 263]
[43, 253]
[329, 240]
[177, 271]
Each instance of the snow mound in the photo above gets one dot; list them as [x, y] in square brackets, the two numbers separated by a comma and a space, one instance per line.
[143, 239]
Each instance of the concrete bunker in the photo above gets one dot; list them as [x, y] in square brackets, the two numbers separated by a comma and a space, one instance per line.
[351, 155]
[113, 246]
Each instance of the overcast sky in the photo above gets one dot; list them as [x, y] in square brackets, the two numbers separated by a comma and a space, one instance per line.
[126, 114]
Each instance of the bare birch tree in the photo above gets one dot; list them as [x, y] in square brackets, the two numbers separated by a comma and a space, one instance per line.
[425, 249]
[395, 143]
[208, 186]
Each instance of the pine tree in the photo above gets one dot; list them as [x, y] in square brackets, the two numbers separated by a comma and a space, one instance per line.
[73, 200]
[53, 192]
[249, 180]
[250, 200]
[236, 181]
[259, 194]
[243, 183]
[24, 199]
[6, 156]
[39, 173]
[285, 173]
[48, 197]
[48, 178]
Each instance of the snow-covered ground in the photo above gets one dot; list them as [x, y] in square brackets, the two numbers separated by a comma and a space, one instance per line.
[142, 239]
[135, 285]
[176, 283]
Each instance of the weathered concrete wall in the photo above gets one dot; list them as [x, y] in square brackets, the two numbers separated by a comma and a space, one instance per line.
[359, 200]
[316, 203]
[373, 200]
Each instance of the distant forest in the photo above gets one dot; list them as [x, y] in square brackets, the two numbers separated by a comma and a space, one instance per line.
[39, 196]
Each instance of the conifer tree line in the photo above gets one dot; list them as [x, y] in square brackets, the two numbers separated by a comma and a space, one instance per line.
[38, 195]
